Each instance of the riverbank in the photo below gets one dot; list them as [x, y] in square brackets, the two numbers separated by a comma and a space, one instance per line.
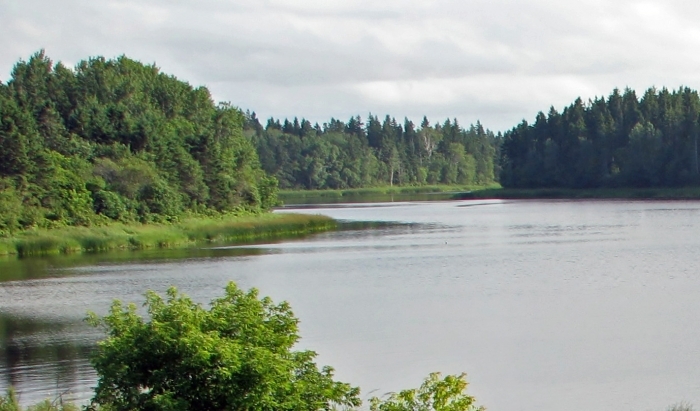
[661, 193]
[189, 232]
[378, 194]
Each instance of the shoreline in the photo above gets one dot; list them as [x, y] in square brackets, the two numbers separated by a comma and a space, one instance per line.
[377, 194]
[680, 193]
[493, 192]
[187, 233]
[276, 226]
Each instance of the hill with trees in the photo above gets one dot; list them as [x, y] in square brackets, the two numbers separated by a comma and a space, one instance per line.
[117, 140]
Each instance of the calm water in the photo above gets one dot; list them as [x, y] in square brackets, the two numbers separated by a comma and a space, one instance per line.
[547, 305]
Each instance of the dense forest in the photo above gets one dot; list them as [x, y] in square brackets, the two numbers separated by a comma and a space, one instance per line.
[621, 141]
[354, 154]
[119, 140]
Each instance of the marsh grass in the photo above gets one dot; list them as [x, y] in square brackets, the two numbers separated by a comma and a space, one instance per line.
[189, 232]
[10, 402]
[248, 229]
[7, 246]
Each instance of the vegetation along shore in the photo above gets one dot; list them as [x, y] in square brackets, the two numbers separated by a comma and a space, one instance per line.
[189, 232]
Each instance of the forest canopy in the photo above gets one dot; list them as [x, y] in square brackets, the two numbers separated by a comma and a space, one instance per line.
[621, 141]
[119, 140]
[353, 154]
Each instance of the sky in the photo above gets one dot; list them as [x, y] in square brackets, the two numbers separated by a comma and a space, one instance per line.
[496, 61]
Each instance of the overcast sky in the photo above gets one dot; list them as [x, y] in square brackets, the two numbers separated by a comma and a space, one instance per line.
[498, 61]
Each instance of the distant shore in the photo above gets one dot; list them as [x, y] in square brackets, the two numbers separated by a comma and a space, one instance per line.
[661, 193]
[450, 192]
[377, 194]
[187, 233]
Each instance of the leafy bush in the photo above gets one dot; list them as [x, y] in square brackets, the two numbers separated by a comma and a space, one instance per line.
[10, 208]
[160, 199]
[110, 205]
[435, 394]
[237, 355]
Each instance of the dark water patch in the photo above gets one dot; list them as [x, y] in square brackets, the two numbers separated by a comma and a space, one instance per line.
[37, 267]
[45, 358]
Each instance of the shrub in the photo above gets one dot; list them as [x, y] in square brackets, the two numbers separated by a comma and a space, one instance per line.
[435, 394]
[237, 355]
[109, 204]
[161, 199]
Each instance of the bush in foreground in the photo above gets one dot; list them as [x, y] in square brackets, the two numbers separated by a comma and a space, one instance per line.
[236, 355]
[435, 394]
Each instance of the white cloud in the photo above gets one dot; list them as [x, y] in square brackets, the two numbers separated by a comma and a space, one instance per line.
[498, 61]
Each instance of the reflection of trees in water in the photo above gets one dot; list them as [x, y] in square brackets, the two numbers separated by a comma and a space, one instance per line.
[31, 268]
[43, 358]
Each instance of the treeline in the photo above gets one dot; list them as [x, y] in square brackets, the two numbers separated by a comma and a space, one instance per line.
[119, 140]
[615, 142]
[353, 154]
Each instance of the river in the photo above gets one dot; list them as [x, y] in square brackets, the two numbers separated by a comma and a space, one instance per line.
[546, 305]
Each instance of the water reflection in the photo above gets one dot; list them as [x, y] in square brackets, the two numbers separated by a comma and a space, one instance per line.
[18, 269]
[46, 358]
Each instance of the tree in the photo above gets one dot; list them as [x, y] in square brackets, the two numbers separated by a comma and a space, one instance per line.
[236, 355]
[435, 394]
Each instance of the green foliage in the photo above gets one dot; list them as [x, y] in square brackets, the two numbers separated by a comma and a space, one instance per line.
[219, 229]
[351, 155]
[119, 140]
[10, 208]
[159, 199]
[435, 394]
[110, 205]
[621, 141]
[236, 355]
[56, 405]
[9, 401]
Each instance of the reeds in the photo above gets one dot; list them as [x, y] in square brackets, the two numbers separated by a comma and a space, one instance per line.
[10, 402]
[225, 229]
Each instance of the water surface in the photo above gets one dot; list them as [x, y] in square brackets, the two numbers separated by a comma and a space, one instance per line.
[547, 305]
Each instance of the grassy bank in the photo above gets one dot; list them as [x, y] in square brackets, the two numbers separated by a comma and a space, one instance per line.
[679, 193]
[371, 194]
[189, 232]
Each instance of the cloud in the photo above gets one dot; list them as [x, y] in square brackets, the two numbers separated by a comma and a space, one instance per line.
[499, 61]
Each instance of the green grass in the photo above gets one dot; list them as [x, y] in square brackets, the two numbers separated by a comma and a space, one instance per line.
[10, 402]
[189, 232]
[661, 193]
